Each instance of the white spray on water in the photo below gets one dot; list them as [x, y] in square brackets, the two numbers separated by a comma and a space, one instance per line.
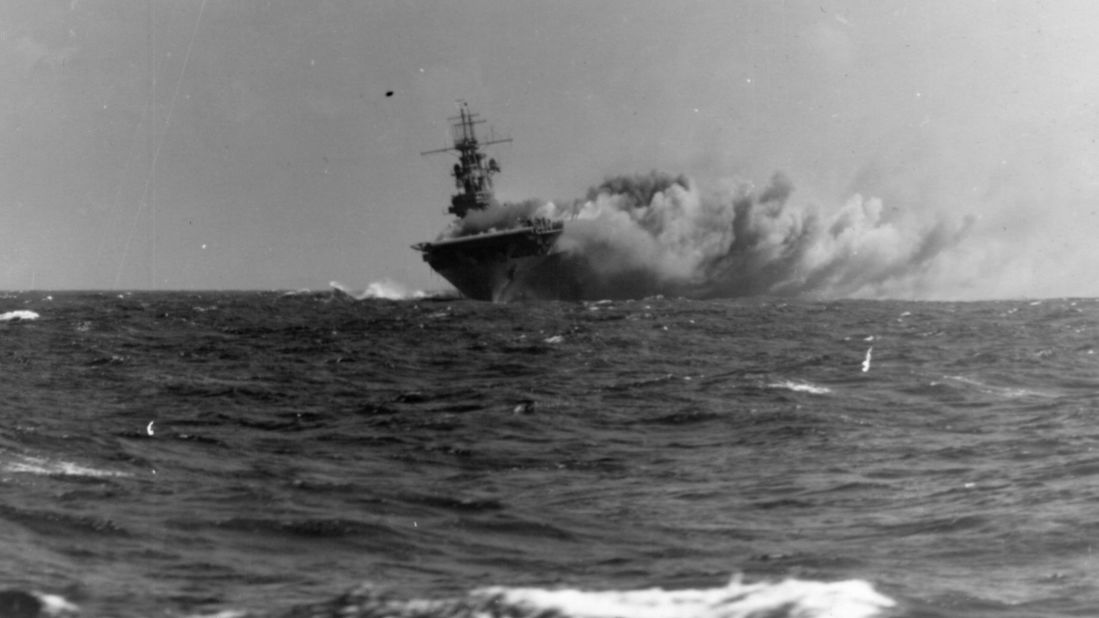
[384, 289]
[791, 598]
[17, 315]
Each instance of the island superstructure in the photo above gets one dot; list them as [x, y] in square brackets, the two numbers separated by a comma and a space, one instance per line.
[514, 263]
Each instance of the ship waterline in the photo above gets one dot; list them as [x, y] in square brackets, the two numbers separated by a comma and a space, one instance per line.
[526, 278]
[518, 264]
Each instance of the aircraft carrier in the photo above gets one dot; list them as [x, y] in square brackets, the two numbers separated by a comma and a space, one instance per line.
[516, 263]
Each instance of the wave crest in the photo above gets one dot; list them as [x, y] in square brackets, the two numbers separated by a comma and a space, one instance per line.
[792, 598]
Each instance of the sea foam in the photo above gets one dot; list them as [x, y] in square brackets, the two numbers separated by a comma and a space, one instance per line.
[52, 467]
[801, 387]
[18, 314]
[383, 290]
[791, 598]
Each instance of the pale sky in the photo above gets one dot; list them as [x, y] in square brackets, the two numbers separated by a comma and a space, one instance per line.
[252, 144]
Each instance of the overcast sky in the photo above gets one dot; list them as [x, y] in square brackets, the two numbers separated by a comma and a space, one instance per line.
[184, 144]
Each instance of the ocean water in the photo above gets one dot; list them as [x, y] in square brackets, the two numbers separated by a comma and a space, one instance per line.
[269, 454]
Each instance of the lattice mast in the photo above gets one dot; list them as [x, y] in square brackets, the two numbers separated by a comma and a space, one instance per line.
[472, 173]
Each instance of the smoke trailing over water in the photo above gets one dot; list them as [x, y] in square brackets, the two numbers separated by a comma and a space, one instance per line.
[642, 235]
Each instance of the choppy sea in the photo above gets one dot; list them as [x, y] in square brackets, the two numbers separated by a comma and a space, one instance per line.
[282, 455]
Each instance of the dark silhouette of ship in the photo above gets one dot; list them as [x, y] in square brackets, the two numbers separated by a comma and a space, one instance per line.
[515, 263]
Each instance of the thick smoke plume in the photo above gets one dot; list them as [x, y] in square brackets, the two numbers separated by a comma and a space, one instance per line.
[642, 235]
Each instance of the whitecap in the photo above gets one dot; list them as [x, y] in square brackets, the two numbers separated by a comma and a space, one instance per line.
[801, 387]
[385, 289]
[1007, 392]
[790, 598]
[56, 467]
[22, 603]
[56, 605]
[18, 314]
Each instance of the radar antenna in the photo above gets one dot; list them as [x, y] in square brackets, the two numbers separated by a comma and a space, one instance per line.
[472, 173]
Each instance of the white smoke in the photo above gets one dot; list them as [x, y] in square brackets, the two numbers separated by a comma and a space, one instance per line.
[660, 234]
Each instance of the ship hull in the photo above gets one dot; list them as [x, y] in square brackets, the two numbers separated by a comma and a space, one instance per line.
[538, 277]
[518, 264]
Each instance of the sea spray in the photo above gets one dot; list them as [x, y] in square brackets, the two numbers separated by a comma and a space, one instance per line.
[17, 315]
[791, 598]
[384, 289]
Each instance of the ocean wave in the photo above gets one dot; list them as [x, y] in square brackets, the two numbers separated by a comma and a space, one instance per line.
[380, 290]
[791, 598]
[22, 604]
[801, 387]
[56, 467]
[18, 314]
[1006, 392]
